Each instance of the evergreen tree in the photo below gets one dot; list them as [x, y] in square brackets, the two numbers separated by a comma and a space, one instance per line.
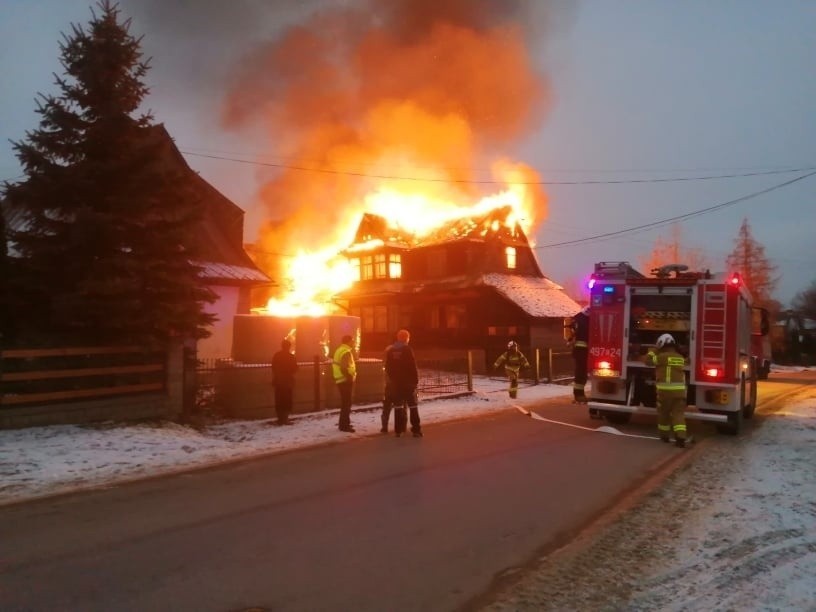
[748, 258]
[107, 244]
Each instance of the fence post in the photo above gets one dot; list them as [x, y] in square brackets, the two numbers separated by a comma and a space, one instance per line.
[549, 365]
[536, 366]
[470, 371]
[316, 383]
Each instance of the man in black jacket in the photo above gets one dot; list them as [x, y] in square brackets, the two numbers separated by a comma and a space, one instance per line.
[284, 366]
[402, 379]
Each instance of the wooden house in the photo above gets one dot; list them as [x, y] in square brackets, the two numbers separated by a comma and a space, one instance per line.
[473, 284]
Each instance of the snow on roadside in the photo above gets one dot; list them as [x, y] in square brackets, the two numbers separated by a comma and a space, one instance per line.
[41, 461]
[735, 529]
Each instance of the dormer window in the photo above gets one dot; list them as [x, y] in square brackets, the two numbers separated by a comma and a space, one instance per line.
[379, 265]
[510, 257]
[395, 265]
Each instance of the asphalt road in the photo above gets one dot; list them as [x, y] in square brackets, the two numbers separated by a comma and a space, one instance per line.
[377, 523]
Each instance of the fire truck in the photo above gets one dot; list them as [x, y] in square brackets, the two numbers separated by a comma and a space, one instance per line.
[712, 320]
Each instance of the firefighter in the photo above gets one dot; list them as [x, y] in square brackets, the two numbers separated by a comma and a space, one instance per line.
[514, 361]
[579, 341]
[670, 382]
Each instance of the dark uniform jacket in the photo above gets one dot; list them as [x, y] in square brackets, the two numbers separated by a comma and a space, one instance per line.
[400, 366]
[284, 366]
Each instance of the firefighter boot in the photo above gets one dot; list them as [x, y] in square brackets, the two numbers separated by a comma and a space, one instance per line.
[680, 443]
[513, 387]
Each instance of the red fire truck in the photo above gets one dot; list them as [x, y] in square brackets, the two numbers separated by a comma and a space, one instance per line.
[711, 319]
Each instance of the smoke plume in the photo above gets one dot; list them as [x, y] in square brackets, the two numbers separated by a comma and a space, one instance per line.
[360, 91]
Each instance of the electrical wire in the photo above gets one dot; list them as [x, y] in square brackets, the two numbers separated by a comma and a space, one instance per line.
[491, 182]
[695, 213]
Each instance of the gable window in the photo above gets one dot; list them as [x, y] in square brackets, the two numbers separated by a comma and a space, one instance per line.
[510, 257]
[366, 267]
[379, 266]
[394, 265]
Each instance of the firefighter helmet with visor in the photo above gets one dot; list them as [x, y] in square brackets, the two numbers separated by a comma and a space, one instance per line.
[512, 345]
[664, 340]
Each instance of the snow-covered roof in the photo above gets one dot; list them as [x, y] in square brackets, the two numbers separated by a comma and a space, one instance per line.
[538, 297]
[221, 271]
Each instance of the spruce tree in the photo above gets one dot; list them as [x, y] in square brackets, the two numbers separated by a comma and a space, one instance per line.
[759, 274]
[107, 248]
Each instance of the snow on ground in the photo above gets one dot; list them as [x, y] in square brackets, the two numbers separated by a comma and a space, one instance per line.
[733, 529]
[41, 461]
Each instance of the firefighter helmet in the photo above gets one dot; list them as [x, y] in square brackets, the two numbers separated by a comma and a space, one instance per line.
[664, 340]
[512, 345]
[585, 310]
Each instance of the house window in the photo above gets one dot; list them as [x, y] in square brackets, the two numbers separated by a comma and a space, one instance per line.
[404, 317]
[395, 265]
[366, 267]
[437, 263]
[455, 316]
[434, 322]
[379, 266]
[510, 257]
[367, 318]
[380, 318]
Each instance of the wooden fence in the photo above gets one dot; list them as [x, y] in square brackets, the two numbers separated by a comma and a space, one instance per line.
[77, 384]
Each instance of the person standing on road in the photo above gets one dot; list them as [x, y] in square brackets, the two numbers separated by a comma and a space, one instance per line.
[401, 383]
[670, 382]
[514, 361]
[284, 366]
[344, 371]
[579, 341]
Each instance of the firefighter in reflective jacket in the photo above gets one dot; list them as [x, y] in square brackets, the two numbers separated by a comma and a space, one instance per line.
[514, 361]
[578, 332]
[670, 382]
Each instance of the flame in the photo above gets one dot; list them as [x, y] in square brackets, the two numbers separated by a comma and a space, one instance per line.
[407, 115]
[313, 277]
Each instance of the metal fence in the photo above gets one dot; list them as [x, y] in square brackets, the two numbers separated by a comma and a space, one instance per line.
[437, 377]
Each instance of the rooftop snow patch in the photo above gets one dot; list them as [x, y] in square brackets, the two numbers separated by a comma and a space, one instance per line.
[539, 297]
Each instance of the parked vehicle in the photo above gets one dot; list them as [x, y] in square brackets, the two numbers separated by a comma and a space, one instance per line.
[713, 321]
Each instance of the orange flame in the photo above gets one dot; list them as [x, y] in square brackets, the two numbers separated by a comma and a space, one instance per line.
[395, 114]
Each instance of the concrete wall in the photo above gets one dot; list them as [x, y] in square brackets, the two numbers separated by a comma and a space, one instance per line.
[246, 391]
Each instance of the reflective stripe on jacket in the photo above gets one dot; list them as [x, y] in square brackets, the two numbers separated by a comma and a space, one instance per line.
[669, 374]
[512, 361]
[343, 357]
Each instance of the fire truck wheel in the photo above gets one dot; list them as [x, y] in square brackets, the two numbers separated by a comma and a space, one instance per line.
[616, 418]
[734, 424]
[750, 407]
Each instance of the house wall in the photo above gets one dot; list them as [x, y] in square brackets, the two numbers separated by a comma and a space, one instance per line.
[219, 344]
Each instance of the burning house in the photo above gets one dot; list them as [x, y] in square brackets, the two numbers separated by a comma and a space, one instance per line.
[396, 145]
[471, 284]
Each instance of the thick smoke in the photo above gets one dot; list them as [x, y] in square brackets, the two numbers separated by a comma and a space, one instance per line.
[411, 88]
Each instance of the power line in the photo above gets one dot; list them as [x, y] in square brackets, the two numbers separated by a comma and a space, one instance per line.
[489, 182]
[679, 217]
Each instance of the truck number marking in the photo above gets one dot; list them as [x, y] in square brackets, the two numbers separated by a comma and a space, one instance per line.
[604, 351]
